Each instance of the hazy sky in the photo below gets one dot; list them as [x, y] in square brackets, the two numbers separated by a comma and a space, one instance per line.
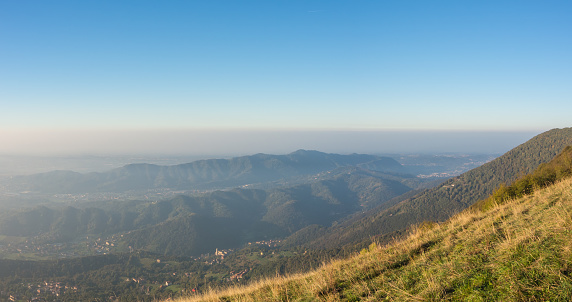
[125, 76]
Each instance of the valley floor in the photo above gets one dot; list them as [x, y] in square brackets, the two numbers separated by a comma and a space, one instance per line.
[519, 251]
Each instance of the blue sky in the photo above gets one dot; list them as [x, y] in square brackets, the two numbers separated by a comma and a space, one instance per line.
[282, 66]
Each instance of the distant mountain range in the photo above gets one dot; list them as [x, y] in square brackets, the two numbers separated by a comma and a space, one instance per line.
[201, 175]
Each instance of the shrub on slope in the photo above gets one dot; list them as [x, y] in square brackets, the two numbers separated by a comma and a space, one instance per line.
[546, 174]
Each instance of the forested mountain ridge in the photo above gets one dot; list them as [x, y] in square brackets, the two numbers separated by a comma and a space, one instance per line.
[439, 203]
[202, 174]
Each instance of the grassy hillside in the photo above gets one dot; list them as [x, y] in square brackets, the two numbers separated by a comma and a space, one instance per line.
[439, 203]
[517, 251]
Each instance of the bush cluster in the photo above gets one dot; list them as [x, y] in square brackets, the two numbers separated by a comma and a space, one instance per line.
[545, 175]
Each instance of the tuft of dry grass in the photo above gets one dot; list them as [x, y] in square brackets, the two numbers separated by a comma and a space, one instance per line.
[517, 251]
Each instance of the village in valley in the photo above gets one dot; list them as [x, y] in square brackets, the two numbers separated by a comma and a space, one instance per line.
[169, 274]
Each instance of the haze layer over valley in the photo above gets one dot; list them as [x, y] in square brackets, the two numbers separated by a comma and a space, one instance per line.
[285, 192]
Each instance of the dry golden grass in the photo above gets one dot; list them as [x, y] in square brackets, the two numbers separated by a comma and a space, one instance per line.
[518, 251]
